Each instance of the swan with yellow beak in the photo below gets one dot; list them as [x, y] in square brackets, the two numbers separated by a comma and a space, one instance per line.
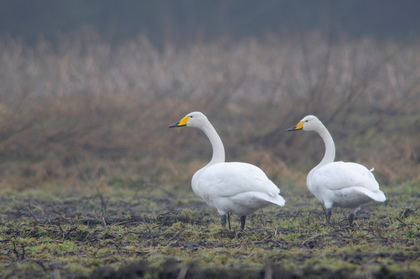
[342, 184]
[234, 187]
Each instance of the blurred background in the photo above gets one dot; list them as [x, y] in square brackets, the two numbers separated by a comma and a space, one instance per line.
[189, 21]
[88, 88]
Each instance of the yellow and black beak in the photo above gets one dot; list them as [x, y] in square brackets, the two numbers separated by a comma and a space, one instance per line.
[181, 123]
[298, 127]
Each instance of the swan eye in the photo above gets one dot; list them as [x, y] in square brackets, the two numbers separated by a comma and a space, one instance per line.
[306, 120]
[191, 116]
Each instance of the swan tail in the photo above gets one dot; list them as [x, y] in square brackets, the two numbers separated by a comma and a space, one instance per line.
[277, 199]
[380, 196]
[271, 198]
[377, 195]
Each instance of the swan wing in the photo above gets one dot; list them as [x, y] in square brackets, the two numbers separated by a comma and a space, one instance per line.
[232, 179]
[345, 184]
[340, 175]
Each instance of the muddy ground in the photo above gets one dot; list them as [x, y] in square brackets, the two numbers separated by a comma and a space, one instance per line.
[169, 237]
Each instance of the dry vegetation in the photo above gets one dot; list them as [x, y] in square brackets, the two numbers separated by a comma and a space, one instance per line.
[84, 116]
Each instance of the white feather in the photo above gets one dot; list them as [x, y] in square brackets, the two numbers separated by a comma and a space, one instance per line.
[235, 187]
[346, 185]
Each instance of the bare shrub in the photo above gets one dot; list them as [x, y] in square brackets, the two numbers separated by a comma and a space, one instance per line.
[65, 109]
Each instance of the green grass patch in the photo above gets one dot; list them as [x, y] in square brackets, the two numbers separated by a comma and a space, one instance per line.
[77, 235]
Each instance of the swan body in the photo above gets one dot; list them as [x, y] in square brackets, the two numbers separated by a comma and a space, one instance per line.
[229, 187]
[342, 184]
[235, 187]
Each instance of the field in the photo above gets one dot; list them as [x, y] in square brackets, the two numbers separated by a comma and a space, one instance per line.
[94, 184]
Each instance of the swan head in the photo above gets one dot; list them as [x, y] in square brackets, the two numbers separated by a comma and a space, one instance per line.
[308, 123]
[194, 119]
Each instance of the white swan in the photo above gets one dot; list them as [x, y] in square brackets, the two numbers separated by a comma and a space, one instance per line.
[341, 184]
[234, 187]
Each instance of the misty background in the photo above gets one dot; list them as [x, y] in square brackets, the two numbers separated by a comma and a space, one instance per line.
[184, 21]
[88, 88]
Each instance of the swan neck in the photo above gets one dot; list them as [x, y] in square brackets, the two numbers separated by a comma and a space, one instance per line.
[216, 143]
[329, 155]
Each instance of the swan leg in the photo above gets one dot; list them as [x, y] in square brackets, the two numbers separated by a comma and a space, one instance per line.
[223, 220]
[243, 220]
[351, 218]
[228, 218]
[328, 215]
[352, 214]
